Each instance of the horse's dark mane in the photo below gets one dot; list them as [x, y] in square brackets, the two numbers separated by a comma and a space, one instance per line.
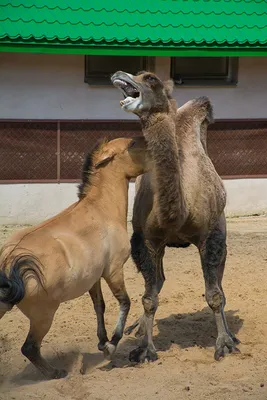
[88, 169]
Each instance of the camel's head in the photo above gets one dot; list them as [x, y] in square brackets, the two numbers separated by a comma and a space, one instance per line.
[128, 155]
[143, 92]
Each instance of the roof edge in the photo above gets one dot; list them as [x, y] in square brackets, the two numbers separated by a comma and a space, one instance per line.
[135, 51]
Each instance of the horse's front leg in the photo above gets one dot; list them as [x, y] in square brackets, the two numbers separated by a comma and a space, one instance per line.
[99, 306]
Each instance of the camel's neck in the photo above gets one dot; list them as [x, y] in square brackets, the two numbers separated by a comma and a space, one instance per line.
[108, 191]
[159, 131]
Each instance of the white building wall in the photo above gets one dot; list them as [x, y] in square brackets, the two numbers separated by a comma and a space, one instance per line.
[52, 87]
[33, 203]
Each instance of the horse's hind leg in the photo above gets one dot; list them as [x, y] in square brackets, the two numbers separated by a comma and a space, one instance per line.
[99, 306]
[2, 313]
[117, 286]
[40, 322]
[4, 308]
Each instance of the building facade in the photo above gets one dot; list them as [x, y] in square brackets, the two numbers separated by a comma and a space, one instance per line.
[55, 105]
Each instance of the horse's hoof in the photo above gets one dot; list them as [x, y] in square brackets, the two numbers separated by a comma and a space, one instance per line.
[101, 346]
[109, 350]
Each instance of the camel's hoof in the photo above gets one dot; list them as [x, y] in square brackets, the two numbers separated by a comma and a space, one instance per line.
[235, 339]
[225, 341]
[141, 331]
[109, 350]
[141, 355]
[58, 374]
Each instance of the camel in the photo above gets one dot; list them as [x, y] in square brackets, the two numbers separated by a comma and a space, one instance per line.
[179, 202]
[66, 256]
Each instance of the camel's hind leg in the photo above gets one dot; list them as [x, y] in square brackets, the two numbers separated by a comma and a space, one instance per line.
[99, 306]
[213, 257]
[41, 319]
[117, 286]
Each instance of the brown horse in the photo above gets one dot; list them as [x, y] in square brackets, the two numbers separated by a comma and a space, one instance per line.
[66, 256]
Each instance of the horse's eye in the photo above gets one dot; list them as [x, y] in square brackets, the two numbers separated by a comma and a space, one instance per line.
[132, 143]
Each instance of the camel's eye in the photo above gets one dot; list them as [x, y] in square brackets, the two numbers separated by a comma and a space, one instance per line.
[151, 78]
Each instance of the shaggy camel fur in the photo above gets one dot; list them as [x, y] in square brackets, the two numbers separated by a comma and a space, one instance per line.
[65, 256]
[181, 201]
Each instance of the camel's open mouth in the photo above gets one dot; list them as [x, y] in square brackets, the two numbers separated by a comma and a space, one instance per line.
[128, 90]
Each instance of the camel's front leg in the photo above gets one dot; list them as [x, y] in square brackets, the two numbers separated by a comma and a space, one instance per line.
[139, 254]
[213, 256]
[147, 350]
[152, 270]
[140, 322]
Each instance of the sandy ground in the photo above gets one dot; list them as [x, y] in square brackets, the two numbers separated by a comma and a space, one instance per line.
[184, 335]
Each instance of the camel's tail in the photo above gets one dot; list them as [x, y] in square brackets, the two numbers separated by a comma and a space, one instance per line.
[12, 285]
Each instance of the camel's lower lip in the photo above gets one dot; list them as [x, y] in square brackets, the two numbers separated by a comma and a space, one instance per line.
[128, 100]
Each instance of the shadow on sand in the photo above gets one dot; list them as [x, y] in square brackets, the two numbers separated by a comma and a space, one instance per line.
[192, 329]
[185, 330]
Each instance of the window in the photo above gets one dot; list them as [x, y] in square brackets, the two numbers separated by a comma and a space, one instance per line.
[98, 69]
[193, 71]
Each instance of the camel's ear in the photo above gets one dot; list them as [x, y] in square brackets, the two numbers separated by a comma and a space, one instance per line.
[168, 86]
[105, 157]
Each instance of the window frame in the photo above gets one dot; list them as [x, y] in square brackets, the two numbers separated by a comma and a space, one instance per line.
[230, 79]
[99, 79]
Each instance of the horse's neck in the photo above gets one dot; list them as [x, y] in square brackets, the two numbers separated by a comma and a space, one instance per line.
[110, 193]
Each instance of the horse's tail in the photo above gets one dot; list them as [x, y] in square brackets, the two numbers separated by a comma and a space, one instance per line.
[12, 284]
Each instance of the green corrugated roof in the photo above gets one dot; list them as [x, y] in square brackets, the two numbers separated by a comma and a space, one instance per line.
[152, 27]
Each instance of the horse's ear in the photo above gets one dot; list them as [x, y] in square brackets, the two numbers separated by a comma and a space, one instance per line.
[105, 157]
[168, 86]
